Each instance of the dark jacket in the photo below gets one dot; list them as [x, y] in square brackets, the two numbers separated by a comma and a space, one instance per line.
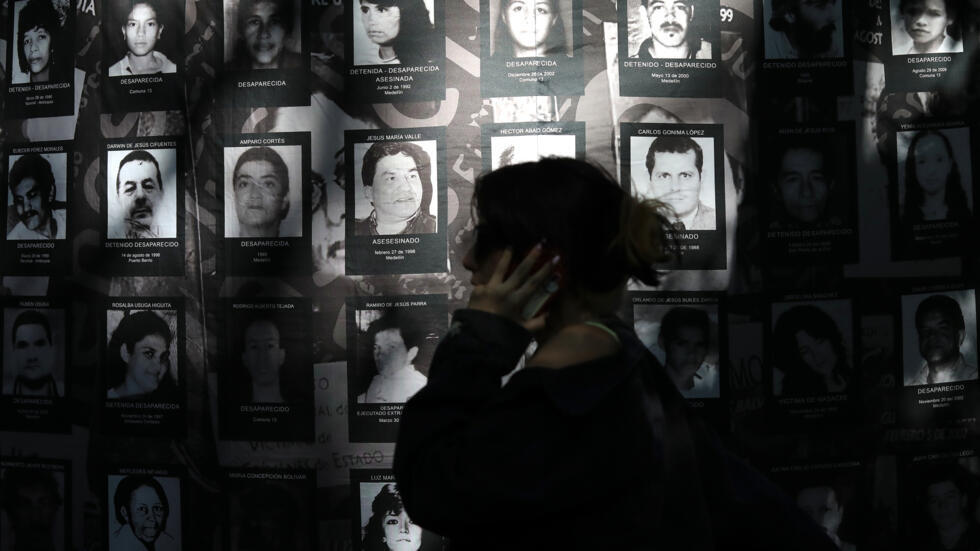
[599, 455]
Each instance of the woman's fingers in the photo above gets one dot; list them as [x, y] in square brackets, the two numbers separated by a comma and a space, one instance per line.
[500, 270]
[536, 280]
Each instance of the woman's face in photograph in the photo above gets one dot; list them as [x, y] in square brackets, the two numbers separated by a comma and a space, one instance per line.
[926, 22]
[529, 21]
[381, 23]
[37, 49]
[148, 362]
[401, 534]
[816, 352]
[142, 30]
[264, 32]
[932, 164]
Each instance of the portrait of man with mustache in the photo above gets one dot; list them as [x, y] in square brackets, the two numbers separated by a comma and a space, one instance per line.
[804, 29]
[674, 166]
[140, 194]
[673, 34]
[33, 196]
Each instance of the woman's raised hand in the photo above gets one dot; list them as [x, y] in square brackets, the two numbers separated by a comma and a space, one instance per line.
[506, 294]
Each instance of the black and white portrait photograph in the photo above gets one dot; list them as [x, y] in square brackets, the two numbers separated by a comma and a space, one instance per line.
[391, 340]
[935, 176]
[395, 201]
[385, 526]
[395, 188]
[812, 203]
[395, 32]
[685, 338]
[142, 355]
[672, 29]
[512, 150]
[144, 37]
[669, 48]
[812, 347]
[40, 58]
[939, 337]
[34, 352]
[920, 27]
[264, 191]
[264, 385]
[34, 505]
[803, 29]
[269, 510]
[531, 47]
[141, 189]
[678, 171]
[144, 512]
[37, 197]
[262, 34]
[44, 54]
[939, 501]
[830, 494]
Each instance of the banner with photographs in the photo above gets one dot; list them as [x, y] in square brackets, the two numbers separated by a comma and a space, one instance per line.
[35, 372]
[937, 499]
[812, 342]
[264, 380]
[937, 328]
[398, 51]
[143, 369]
[925, 40]
[395, 201]
[670, 48]
[40, 58]
[812, 207]
[379, 515]
[390, 343]
[513, 143]
[932, 202]
[39, 186]
[531, 48]
[265, 55]
[142, 55]
[267, 195]
[269, 509]
[682, 166]
[37, 504]
[831, 495]
[687, 332]
[143, 198]
[806, 51]
[144, 508]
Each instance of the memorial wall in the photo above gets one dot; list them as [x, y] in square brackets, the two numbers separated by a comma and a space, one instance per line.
[234, 234]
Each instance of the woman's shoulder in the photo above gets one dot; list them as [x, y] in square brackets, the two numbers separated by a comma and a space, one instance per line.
[575, 344]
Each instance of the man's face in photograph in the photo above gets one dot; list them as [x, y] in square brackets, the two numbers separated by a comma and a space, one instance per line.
[145, 514]
[33, 352]
[397, 187]
[946, 504]
[390, 352]
[381, 23]
[142, 30]
[33, 514]
[263, 355]
[803, 185]
[260, 194]
[669, 20]
[265, 33]
[815, 23]
[685, 351]
[676, 180]
[32, 203]
[140, 192]
[939, 338]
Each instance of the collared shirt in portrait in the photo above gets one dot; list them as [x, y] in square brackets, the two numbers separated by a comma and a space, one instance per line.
[394, 388]
[962, 371]
[20, 232]
[422, 222]
[123, 68]
[703, 51]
